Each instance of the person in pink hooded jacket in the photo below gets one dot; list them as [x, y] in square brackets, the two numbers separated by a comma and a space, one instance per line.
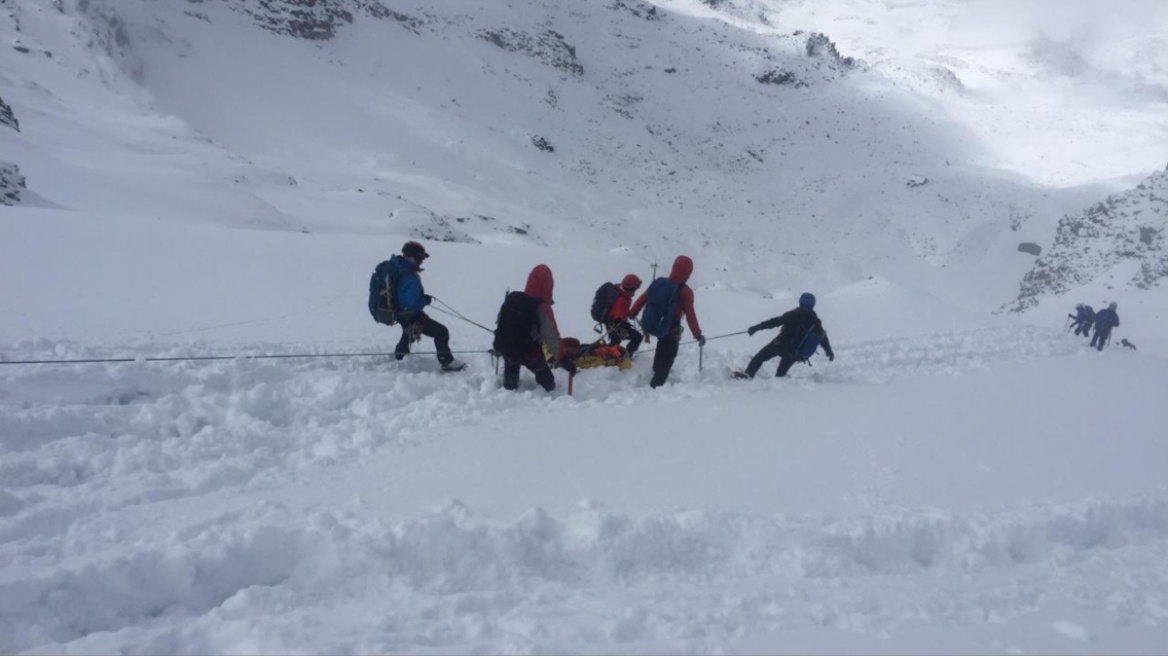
[527, 334]
[669, 336]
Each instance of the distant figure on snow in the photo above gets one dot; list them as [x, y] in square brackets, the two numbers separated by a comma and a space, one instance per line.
[664, 303]
[610, 307]
[802, 333]
[1105, 320]
[526, 333]
[1083, 317]
[396, 296]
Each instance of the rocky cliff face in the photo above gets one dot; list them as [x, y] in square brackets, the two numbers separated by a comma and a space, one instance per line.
[1125, 228]
[7, 118]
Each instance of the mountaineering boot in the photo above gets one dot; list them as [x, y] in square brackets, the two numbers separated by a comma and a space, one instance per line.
[740, 375]
[454, 365]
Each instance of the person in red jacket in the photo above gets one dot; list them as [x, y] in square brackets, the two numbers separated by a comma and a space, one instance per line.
[616, 320]
[670, 338]
[527, 334]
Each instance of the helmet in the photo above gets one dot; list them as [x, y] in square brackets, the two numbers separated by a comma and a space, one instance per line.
[631, 282]
[1113, 305]
[414, 250]
[807, 300]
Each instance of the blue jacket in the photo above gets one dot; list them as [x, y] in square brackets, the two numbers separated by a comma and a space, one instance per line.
[408, 295]
[1106, 319]
[1083, 314]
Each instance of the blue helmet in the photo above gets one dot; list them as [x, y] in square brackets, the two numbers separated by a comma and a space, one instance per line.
[807, 300]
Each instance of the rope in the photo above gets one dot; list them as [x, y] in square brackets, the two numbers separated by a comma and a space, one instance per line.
[694, 341]
[458, 315]
[204, 358]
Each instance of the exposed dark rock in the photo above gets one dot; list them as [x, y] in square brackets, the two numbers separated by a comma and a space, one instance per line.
[916, 181]
[780, 77]
[7, 117]
[317, 20]
[542, 144]
[638, 8]
[11, 183]
[548, 47]
[1030, 247]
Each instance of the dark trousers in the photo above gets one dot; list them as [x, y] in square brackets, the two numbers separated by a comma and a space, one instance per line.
[624, 330]
[1082, 328]
[664, 356]
[1100, 338]
[543, 373]
[421, 324]
[769, 352]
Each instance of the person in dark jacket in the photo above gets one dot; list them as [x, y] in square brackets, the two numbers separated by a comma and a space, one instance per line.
[543, 339]
[667, 346]
[400, 273]
[1105, 320]
[795, 325]
[1083, 317]
[616, 320]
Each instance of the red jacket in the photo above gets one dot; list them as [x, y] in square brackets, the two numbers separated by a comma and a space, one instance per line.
[540, 285]
[682, 268]
[620, 307]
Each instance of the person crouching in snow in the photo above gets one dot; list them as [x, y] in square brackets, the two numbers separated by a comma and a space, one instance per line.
[616, 320]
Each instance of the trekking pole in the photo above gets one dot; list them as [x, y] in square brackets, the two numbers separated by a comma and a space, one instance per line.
[701, 354]
[571, 380]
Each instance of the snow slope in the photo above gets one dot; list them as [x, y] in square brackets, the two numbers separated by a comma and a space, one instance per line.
[200, 185]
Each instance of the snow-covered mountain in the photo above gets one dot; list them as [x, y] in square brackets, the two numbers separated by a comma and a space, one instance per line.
[608, 123]
[1120, 239]
[213, 179]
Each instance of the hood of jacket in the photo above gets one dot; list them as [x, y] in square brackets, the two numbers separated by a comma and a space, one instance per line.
[540, 283]
[682, 268]
[399, 262]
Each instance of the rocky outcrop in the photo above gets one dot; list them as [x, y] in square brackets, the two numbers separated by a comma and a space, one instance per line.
[11, 183]
[821, 47]
[548, 47]
[7, 118]
[1127, 227]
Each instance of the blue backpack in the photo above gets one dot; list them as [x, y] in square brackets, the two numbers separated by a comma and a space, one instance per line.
[659, 317]
[808, 345]
[382, 285]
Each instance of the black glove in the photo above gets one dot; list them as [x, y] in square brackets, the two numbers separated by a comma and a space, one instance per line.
[830, 356]
[427, 299]
[701, 340]
[568, 366]
[752, 330]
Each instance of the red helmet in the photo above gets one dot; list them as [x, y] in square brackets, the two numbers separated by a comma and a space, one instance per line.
[631, 282]
[413, 249]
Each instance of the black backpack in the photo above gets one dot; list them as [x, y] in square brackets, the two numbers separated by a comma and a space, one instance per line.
[606, 295]
[515, 329]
